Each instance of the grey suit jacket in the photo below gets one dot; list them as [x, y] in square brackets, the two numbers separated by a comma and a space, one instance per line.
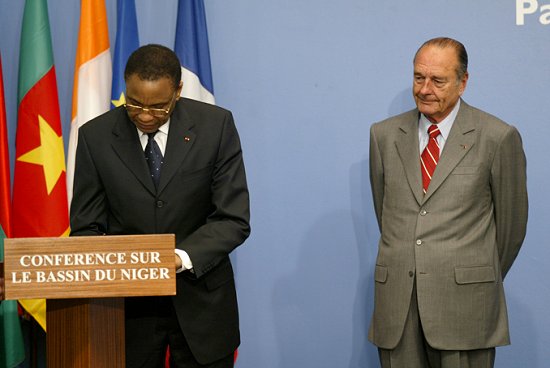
[458, 241]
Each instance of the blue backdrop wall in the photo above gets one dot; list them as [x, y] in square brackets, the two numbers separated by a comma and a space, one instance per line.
[305, 79]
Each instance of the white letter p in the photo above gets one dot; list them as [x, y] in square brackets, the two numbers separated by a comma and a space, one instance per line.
[521, 10]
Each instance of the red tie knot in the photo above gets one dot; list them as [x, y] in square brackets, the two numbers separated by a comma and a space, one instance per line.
[433, 131]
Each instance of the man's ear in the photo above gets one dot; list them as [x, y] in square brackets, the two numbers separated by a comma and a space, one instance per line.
[179, 90]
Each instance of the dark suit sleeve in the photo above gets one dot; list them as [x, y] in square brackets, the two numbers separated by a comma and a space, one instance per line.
[509, 190]
[227, 226]
[88, 206]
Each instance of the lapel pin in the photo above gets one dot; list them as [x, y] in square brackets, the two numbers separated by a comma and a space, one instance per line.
[186, 138]
[463, 146]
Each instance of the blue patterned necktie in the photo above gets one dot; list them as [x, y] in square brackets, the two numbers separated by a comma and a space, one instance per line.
[153, 156]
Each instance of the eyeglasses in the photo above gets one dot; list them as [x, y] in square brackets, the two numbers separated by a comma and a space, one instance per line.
[157, 113]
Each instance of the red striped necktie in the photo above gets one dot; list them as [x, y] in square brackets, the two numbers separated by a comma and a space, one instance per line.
[429, 157]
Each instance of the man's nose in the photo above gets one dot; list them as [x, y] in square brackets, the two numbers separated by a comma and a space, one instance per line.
[426, 87]
[145, 115]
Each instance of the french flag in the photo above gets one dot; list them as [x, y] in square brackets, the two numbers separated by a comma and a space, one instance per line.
[127, 41]
[192, 50]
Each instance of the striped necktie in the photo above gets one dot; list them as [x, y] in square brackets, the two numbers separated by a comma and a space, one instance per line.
[429, 157]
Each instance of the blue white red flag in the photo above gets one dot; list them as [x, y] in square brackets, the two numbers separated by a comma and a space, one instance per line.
[193, 51]
[127, 41]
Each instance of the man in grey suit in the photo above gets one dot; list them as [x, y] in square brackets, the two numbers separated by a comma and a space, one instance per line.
[449, 235]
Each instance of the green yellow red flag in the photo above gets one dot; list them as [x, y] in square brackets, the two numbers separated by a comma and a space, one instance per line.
[39, 189]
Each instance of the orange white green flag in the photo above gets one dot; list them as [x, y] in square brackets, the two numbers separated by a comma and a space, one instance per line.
[39, 188]
[92, 75]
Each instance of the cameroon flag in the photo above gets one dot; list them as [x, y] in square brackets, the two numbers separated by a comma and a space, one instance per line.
[39, 186]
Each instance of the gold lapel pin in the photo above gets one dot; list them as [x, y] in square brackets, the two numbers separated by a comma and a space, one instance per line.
[187, 139]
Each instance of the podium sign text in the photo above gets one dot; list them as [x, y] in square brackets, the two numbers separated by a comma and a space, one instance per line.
[89, 266]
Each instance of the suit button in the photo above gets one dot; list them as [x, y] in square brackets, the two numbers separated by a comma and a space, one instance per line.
[160, 204]
[411, 274]
[423, 212]
[418, 242]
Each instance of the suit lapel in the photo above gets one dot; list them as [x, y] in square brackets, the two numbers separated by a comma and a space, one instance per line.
[127, 146]
[407, 147]
[180, 140]
[460, 141]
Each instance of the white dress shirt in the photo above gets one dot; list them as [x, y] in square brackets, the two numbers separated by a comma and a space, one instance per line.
[444, 127]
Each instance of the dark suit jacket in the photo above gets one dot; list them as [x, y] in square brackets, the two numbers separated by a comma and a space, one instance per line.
[202, 198]
[458, 240]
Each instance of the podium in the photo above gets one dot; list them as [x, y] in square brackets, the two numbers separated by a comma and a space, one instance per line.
[85, 280]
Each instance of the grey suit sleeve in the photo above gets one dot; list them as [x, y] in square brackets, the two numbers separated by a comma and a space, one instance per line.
[376, 176]
[509, 190]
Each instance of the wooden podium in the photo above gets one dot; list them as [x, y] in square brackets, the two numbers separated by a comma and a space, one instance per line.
[84, 280]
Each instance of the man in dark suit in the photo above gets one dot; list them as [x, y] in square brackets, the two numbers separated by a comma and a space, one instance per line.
[201, 196]
[452, 221]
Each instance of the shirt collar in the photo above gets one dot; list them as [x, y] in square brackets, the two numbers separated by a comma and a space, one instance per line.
[444, 126]
[164, 128]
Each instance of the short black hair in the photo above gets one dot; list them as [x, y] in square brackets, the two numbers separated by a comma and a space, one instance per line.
[152, 62]
[444, 42]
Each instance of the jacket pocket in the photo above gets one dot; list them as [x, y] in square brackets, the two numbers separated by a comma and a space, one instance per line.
[220, 275]
[474, 274]
[194, 174]
[465, 170]
[380, 273]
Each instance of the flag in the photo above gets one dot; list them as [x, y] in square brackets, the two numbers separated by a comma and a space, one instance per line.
[5, 187]
[192, 49]
[39, 185]
[127, 40]
[12, 349]
[92, 75]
